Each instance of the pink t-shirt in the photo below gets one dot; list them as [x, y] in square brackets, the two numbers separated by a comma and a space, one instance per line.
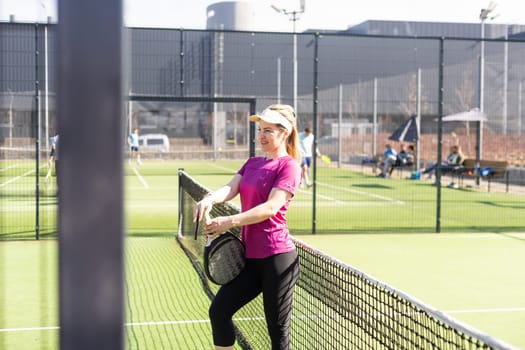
[259, 176]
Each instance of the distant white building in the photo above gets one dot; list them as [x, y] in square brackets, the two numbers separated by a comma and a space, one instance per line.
[231, 15]
[28, 11]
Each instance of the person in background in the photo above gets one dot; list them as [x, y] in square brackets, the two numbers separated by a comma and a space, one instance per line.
[306, 139]
[53, 157]
[405, 157]
[389, 159]
[453, 162]
[133, 142]
[266, 186]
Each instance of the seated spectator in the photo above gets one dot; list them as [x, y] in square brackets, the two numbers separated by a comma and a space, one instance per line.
[405, 156]
[390, 157]
[453, 162]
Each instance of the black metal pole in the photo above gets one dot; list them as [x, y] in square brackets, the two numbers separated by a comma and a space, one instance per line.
[37, 137]
[252, 131]
[316, 128]
[440, 134]
[90, 119]
[181, 62]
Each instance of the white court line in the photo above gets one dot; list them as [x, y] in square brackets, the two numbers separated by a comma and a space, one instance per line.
[9, 167]
[485, 311]
[326, 204]
[144, 183]
[28, 329]
[152, 205]
[20, 176]
[131, 324]
[223, 168]
[162, 323]
[328, 198]
[260, 318]
[336, 201]
[366, 194]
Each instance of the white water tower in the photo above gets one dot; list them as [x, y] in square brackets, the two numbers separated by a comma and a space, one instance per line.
[231, 15]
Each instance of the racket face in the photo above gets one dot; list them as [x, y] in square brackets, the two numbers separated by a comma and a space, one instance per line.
[223, 258]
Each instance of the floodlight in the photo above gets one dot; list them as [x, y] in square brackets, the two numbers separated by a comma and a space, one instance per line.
[280, 10]
[294, 17]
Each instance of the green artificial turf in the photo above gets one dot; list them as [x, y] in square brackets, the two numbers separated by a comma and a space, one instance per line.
[471, 270]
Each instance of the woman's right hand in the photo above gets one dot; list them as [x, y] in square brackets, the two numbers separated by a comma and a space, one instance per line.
[202, 208]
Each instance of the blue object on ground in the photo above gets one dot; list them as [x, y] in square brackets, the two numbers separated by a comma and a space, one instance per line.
[416, 175]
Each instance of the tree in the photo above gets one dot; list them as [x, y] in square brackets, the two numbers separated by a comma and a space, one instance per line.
[409, 106]
[465, 94]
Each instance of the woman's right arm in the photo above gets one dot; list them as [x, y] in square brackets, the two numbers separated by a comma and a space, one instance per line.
[223, 194]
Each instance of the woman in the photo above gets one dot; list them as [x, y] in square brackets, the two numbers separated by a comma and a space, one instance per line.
[266, 186]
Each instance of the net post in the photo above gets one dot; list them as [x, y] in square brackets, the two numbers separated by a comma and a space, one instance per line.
[181, 198]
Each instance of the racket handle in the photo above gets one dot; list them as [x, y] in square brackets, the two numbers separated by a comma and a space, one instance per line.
[196, 229]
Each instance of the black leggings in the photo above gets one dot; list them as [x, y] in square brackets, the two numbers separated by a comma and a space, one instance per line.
[275, 277]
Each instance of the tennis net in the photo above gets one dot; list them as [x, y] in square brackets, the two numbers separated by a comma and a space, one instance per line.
[335, 305]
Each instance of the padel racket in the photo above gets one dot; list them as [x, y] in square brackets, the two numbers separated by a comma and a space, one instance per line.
[223, 258]
[326, 159]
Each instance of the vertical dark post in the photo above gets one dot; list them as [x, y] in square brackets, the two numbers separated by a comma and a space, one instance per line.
[440, 133]
[181, 198]
[90, 183]
[479, 128]
[315, 129]
[37, 137]
[181, 56]
[252, 131]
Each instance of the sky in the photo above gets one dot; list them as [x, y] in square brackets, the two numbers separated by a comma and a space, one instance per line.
[319, 14]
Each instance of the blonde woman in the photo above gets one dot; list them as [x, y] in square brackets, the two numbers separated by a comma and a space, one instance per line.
[266, 186]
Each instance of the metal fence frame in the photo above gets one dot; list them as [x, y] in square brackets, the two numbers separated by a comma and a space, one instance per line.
[179, 77]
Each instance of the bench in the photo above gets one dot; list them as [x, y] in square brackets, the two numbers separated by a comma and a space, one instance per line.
[373, 162]
[378, 161]
[488, 169]
[454, 171]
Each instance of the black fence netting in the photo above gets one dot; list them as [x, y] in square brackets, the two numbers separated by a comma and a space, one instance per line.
[335, 305]
[353, 90]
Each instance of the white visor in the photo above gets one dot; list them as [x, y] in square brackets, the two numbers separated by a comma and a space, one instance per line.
[273, 117]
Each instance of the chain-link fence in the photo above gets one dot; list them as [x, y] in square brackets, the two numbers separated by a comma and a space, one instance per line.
[353, 90]
[28, 202]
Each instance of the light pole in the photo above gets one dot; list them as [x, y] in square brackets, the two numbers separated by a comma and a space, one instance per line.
[294, 16]
[483, 16]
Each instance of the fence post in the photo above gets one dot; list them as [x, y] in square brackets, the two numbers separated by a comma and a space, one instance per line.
[37, 137]
[316, 129]
[440, 133]
[90, 115]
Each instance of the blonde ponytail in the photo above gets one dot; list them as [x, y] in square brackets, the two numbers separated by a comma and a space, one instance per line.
[292, 142]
